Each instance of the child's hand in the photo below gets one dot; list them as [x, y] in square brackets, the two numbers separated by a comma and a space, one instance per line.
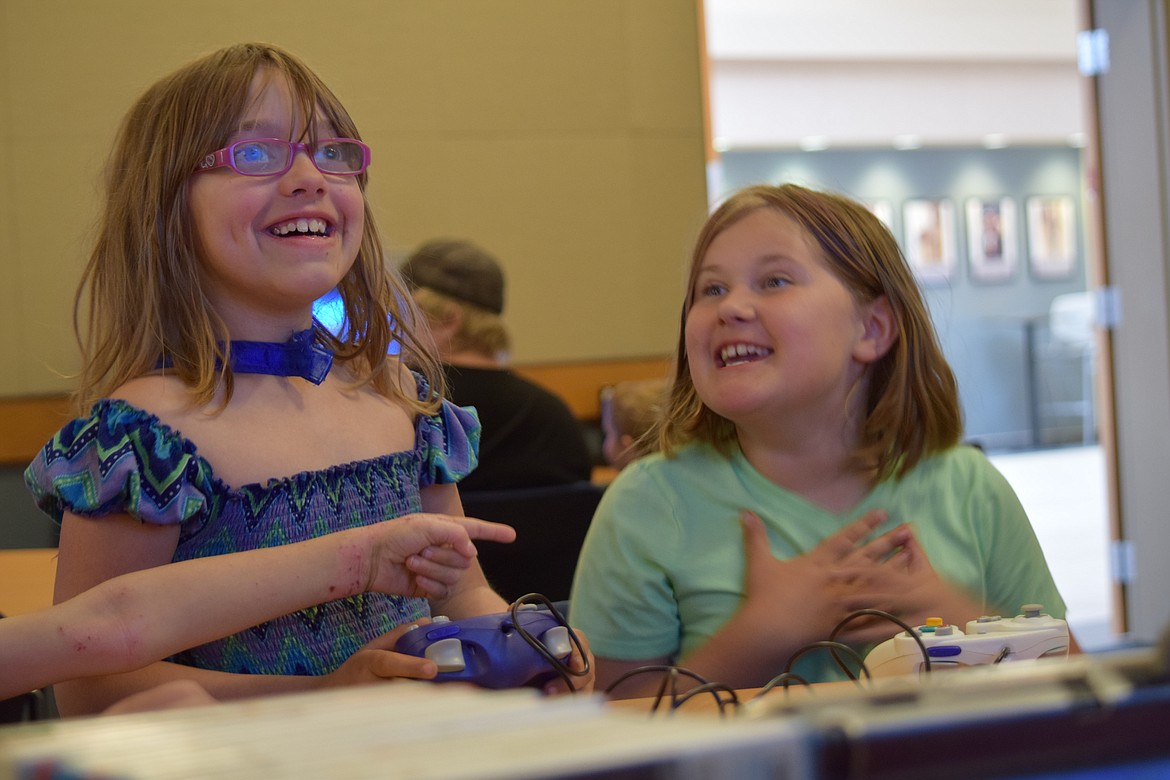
[583, 684]
[424, 555]
[376, 661]
[893, 574]
[801, 598]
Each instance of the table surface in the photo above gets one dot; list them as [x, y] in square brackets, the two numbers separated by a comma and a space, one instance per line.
[26, 579]
[707, 704]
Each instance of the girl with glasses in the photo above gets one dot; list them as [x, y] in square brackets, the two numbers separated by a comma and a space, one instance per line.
[217, 415]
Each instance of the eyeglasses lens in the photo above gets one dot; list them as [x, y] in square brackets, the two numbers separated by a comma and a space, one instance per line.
[266, 157]
[339, 156]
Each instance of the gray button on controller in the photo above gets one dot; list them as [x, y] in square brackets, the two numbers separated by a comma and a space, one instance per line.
[447, 655]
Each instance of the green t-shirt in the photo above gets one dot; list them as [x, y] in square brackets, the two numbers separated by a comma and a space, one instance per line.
[662, 568]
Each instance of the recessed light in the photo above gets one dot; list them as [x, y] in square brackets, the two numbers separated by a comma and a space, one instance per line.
[814, 143]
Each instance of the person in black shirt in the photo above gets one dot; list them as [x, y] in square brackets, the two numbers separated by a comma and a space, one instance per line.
[530, 437]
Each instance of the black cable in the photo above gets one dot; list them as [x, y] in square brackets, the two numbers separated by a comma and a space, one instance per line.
[670, 677]
[832, 646]
[714, 689]
[885, 616]
[564, 671]
[785, 679]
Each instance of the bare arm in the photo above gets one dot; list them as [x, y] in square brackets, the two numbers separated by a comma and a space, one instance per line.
[610, 670]
[128, 622]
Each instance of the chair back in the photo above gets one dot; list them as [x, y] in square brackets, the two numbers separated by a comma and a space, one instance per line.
[550, 524]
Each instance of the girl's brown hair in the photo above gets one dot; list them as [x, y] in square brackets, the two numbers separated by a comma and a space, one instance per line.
[141, 301]
[912, 407]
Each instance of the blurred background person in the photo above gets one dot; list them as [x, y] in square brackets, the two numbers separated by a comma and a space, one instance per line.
[628, 412]
[530, 436]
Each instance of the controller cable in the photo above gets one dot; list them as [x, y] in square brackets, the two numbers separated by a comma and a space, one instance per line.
[563, 670]
[885, 616]
[788, 678]
[725, 697]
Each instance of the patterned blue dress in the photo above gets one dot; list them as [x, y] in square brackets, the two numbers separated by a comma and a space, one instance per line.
[123, 459]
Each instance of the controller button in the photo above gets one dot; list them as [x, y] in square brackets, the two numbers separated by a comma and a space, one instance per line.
[927, 629]
[1032, 610]
[442, 632]
[944, 631]
[556, 640]
[447, 655]
[989, 619]
[944, 651]
[934, 621]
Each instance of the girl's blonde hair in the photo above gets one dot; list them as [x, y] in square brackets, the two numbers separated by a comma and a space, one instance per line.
[912, 406]
[141, 301]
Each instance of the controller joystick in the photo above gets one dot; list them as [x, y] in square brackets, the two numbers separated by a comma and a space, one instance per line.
[491, 650]
[990, 639]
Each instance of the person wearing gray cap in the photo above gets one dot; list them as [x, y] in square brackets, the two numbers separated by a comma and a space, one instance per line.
[530, 437]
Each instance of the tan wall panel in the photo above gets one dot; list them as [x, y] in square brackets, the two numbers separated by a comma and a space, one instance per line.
[565, 136]
[9, 317]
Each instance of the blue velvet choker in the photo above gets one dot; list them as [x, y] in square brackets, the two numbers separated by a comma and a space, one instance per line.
[302, 355]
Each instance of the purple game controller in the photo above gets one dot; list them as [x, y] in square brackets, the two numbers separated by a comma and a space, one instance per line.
[490, 650]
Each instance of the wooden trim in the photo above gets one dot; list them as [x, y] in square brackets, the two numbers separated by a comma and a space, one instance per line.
[26, 580]
[27, 423]
[579, 384]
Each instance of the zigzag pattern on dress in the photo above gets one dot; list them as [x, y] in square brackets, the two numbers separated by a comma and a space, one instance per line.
[123, 459]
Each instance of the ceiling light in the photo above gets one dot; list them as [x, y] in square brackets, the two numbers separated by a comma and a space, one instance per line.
[814, 143]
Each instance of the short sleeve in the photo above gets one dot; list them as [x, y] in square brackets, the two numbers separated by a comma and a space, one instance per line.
[120, 459]
[449, 441]
[1017, 569]
[622, 596]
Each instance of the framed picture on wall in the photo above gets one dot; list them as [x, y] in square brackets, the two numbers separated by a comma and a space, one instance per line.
[1052, 237]
[929, 227]
[991, 239]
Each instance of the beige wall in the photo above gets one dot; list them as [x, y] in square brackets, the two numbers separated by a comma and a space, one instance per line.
[564, 135]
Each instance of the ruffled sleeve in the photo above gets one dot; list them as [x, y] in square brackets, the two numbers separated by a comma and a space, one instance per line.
[449, 441]
[120, 459]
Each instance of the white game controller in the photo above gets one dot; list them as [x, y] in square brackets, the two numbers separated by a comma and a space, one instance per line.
[988, 640]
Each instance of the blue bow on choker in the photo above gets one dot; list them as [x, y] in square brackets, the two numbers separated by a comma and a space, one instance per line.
[302, 355]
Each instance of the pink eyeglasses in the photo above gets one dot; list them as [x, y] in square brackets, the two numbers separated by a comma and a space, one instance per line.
[273, 156]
